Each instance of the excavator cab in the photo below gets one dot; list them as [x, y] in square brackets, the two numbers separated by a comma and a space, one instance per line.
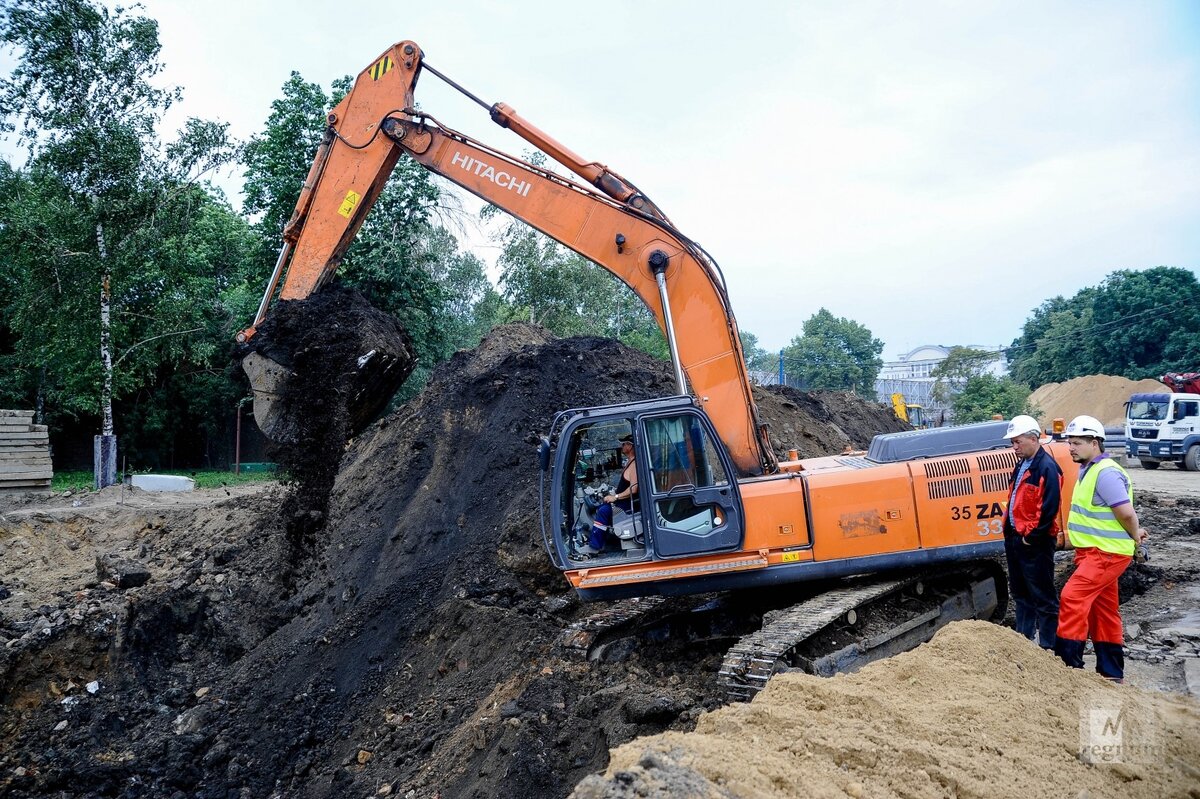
[687, 500]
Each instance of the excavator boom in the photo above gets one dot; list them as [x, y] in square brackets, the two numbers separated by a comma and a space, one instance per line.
[607, 220]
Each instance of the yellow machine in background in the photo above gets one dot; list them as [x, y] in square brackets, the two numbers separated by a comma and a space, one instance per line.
[912, 414]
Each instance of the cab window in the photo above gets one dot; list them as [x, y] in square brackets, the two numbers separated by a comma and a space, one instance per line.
[682, 453]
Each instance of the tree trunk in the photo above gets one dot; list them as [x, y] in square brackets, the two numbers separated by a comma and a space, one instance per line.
[39, 403]
[105, 333]
[104, 446]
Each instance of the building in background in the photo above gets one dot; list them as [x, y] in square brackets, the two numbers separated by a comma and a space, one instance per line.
[912, 375]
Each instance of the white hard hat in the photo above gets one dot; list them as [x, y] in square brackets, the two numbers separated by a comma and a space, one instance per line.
[1086, 426]
[1020, 425]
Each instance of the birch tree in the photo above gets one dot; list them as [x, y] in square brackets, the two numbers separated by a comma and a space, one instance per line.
[83, 101]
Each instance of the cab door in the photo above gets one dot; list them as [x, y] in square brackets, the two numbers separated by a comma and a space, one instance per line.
[692, 506]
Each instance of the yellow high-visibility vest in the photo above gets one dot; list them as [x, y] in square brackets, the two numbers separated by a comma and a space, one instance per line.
[1096, 526]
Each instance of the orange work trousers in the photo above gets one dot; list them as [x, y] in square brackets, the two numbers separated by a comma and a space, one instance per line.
[1090, 608]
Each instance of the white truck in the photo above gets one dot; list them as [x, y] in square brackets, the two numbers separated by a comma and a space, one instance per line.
[1165, 427]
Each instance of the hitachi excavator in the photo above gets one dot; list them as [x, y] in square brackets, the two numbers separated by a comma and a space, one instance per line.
[909, 531]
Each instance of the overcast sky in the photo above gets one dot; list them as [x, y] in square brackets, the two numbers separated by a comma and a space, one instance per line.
[933, 170]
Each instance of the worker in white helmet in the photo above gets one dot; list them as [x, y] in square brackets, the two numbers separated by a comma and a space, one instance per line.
[1031, 532]
[1103, 528]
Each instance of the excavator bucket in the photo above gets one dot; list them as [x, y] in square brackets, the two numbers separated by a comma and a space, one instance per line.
[324, 365]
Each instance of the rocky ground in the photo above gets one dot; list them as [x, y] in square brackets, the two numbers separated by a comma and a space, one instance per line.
[405, 644]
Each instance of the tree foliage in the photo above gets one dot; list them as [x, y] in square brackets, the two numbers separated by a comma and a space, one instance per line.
[984, 395]
[547, 284]
[118, 253]
[834, 352]
[951, 375]
[278, 158]
[757, 358]
[1135, 323]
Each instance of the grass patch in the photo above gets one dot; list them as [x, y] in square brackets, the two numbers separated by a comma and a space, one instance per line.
[205, 478]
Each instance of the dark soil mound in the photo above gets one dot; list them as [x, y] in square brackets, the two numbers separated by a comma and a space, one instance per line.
[821, 422]
[417, 652]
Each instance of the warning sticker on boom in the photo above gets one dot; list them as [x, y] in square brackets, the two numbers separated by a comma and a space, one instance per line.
[348, 205]
[380, 68]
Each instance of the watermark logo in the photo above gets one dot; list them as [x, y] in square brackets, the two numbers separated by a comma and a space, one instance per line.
[1112, 730]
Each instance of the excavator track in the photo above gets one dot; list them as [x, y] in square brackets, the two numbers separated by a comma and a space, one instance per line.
[751, 662]
[847, 627]
[580, 637]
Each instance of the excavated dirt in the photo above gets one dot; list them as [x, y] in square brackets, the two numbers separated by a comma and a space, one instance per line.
[408, 650]
[821, 422]
[346, 359]
[1102, 396]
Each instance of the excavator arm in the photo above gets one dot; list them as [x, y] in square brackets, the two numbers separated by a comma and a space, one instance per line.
[605, 219]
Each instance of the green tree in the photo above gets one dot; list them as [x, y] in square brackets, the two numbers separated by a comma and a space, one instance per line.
[983, 395]
[834, 353]
[1135, 323]
[548, 284]
[1060, 352]
[958, 367]
[757, 358]
[95, 200]
[1148, 320]
[278, 158]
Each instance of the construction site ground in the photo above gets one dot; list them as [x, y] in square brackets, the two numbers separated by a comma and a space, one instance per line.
[397, 636]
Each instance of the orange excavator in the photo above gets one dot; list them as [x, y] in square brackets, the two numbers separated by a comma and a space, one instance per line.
[709, 507]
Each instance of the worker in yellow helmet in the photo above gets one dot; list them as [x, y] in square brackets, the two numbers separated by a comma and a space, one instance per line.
[1103, 528]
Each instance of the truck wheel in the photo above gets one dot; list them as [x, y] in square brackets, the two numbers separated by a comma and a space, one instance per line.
[1151, 465]
[1191, 461]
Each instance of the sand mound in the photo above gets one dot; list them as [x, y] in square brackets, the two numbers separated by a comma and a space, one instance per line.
[977, 712]
[1102, 396]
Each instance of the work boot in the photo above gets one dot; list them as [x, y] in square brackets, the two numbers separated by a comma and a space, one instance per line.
[1070, 651]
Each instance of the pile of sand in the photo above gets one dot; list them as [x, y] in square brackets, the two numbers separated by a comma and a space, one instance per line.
[978, 711]
[1102, 396]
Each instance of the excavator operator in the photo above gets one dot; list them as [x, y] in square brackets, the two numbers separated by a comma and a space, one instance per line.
[623, 497]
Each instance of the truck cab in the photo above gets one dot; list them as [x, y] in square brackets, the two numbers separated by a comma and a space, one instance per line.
[1163, 428]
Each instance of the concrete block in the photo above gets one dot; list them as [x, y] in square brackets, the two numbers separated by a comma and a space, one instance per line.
[163, 482]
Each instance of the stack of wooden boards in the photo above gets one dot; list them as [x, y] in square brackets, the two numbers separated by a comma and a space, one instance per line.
[24, 454]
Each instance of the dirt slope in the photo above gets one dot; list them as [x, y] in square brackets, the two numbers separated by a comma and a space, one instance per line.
[406, 645]
[978, 711]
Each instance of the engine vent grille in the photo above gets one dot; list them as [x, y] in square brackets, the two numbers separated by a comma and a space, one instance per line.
[950, 487]
[995, 481]
[996, 461]
[856, 463]
[947, 468]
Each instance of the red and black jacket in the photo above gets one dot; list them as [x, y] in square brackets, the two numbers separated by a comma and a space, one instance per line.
[1036, 503]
